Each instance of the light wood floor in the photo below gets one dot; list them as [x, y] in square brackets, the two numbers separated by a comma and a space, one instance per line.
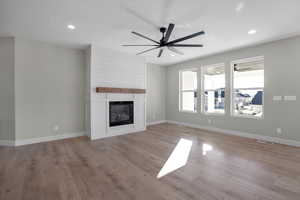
[126, 167]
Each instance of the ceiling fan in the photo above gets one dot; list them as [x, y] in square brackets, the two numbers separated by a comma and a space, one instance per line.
[164, 42]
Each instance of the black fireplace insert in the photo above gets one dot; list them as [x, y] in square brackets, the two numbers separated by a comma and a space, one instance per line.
[121, 113]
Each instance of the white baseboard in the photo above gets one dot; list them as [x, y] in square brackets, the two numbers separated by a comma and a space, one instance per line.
[156, 122]
[47, 139]
[242, 134]
[7, 143]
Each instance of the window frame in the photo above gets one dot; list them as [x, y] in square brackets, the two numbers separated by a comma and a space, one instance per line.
[232, 109]
[203, 68]
[181, 91]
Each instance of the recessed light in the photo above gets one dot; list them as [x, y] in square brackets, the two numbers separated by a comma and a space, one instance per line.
[252, 32]
[172, 55]
[71, 27]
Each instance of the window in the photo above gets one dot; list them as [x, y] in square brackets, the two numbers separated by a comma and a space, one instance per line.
[213, 89]
[188, 90]
[248, 87]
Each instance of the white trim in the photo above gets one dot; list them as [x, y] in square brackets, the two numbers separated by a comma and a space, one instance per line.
[241, 134]
[8, 143]
[248, 116]
[221, 64]
[156, 122]
[250, 59]
[214, 114]
[48, 138]
[188, 112]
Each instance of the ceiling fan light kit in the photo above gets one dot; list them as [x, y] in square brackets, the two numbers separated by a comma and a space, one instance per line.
[164, 42]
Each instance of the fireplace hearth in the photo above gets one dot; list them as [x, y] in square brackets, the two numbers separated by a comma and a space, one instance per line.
[121, 113]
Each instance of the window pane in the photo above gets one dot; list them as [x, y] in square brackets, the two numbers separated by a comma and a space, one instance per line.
[248, 88]
[249, 79]
[214, 89]
[248, 102]
[189, 80]
[188, 101]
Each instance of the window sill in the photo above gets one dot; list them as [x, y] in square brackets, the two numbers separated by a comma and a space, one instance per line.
[189, 112]
[213, 114]
[247, 117]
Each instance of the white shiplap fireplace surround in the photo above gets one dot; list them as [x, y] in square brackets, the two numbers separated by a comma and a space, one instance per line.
[107, 68]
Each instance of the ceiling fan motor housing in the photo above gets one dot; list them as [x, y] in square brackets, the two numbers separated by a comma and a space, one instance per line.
[163, 29]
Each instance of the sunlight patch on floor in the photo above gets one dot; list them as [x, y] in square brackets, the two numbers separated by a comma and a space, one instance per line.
[206, 148]
[178, 157]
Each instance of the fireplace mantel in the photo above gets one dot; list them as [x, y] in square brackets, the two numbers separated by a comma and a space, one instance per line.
[120, 90]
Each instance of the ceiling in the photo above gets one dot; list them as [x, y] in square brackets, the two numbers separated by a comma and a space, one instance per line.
[108, 23]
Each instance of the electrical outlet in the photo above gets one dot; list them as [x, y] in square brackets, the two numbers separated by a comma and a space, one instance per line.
[279, 131]
[290, 98]
[277, 98]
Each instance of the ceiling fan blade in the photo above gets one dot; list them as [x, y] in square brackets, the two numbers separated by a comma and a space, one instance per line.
[186, 37]
[145, 37]
[186, 45]
[168, 33]
[175, 50]
[140, 45]
[160, 52]
[147, 50]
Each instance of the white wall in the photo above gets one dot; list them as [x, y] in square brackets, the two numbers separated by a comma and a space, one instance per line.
[282, 70]
[49, 90]
[115, 69]
[156, 93]
[7, 89]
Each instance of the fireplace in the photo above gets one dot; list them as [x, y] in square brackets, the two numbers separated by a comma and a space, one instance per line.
[121, 113]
